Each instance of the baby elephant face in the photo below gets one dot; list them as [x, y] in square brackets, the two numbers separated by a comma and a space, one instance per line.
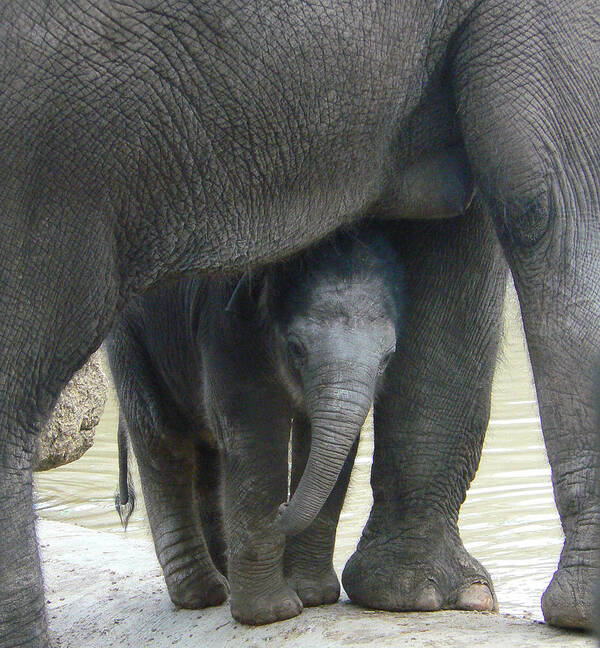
[335, 312]
[340, 336]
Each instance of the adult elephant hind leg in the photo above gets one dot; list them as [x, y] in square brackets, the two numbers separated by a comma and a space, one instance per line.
[308, 559]
[531, 123]
[558, 282]
[57, 300]
[430, 420]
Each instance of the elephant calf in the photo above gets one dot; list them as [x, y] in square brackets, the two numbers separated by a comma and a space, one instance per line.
[212, 374]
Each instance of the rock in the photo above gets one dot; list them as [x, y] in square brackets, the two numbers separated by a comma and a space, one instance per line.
[70, 430]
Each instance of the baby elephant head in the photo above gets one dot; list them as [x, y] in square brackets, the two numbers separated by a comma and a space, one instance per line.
[336, 313]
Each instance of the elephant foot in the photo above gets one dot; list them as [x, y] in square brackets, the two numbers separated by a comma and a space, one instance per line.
[315, 589]
[404, 572]
[568, 602]
[276, 604]
[194, 590]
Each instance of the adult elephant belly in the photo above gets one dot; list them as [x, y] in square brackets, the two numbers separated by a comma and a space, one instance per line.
[243, 133]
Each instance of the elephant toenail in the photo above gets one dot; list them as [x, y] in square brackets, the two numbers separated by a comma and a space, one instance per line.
[429, 600]
[477, 597]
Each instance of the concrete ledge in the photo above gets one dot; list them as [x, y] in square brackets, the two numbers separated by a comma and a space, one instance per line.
[105, 589]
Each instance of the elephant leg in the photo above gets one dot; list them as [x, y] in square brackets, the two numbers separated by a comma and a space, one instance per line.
[535, 149]
[207, 483]
[166, 459]
[22, 613]
[308, 560]
[167, 476]
[558, 293]
[253, 428]
[430, 421]
[57, 299]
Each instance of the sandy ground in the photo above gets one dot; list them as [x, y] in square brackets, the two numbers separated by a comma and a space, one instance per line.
[105, 589]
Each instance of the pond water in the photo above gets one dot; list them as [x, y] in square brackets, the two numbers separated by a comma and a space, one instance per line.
[509, 521]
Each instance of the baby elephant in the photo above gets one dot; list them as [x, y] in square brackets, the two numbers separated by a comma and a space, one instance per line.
[212, 375]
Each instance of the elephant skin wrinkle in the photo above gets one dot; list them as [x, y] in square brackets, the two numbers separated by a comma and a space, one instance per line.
[143, 141]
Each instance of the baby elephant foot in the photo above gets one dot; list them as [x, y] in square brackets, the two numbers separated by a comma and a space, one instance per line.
[409, 573]
[276, 604]
[316, 589]
[194, 590]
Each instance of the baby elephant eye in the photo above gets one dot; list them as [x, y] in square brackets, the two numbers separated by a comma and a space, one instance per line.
[296, 350]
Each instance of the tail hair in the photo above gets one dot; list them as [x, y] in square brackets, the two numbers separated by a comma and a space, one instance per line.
[125, 509]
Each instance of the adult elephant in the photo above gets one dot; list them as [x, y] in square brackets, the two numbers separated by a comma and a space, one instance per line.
[145, 139]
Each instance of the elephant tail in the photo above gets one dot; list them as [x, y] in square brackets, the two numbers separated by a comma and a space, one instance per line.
[125, 495]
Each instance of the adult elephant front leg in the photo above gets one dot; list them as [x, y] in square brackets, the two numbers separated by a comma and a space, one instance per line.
[531, 120]
[430, 421]
[56, 307]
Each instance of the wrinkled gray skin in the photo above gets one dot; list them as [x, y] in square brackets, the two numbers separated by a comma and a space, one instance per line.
[140, 140]
[209, 385]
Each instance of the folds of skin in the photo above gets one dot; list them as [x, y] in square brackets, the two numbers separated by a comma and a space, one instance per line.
[227, 150]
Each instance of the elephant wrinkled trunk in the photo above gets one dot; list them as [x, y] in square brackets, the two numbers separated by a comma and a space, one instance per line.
[332, 438]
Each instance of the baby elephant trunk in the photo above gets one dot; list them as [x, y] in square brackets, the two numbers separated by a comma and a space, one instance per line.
[336, 419]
